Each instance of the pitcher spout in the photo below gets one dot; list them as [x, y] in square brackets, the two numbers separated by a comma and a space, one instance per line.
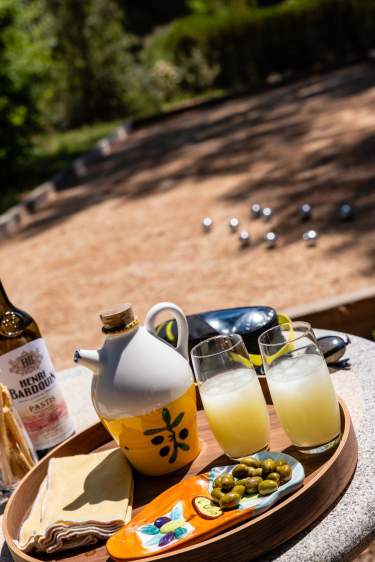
[88, 358]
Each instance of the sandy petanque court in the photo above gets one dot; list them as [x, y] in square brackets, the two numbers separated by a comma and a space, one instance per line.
[132, 231]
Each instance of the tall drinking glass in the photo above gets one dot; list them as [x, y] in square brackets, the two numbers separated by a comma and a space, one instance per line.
[301, 387]
[231, 394]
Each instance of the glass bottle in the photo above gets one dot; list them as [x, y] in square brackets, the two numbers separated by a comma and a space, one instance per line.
[27, 371]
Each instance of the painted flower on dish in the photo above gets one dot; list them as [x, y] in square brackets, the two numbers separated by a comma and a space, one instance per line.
[165, 529]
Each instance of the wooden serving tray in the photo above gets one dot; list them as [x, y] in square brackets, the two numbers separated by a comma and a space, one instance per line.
[326, 479]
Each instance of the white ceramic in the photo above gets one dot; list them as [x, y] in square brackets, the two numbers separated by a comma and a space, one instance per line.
[137, 372]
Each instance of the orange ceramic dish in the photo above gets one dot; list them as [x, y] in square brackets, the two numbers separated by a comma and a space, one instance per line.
[150, 532]
[171, 520]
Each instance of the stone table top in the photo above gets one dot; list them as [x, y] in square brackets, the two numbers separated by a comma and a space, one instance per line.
[349, 526]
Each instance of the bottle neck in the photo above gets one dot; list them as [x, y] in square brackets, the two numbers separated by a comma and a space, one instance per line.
[5, 303]
[13, 320]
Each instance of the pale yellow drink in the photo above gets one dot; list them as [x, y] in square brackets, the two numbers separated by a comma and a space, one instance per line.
[237, 412]
[305, 400]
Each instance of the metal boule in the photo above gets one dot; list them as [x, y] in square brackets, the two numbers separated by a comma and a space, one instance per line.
[207, 224]
[244, 239]
[346, 212]
[267, 213]
[310, 237]
[270, 239]
[305, 212]
[256, 210]
[233, 224]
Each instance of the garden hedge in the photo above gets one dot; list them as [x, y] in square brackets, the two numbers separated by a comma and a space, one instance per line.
[293, 36]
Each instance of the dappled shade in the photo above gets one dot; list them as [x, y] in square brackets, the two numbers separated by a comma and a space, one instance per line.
[311, 141]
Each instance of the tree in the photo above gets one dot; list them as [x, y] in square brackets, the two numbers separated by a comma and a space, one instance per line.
[17, 108]
[91, 53]
[142, 16]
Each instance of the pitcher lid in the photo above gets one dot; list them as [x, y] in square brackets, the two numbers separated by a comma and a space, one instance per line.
[117, 317]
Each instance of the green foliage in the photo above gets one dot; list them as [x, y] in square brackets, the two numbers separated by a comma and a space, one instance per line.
[90, 56]
[197, 74]
[29, 46]
[166, 78]
[141, 95]
[17, 111]
[142, 16]
[250, 44]
[204, 7]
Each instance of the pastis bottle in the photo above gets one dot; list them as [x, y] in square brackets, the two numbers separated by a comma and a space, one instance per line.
[27, 371]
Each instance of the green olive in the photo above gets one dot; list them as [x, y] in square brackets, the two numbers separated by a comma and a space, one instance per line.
[240, 471]
[268, 466]
[230, 500]
[279, 462]
[243, 482]
[227, 483]
[250, 461]
[217, 482]
[267, 487]
[216, 494]
[252, 484]
[285, 472]
[238, 489]
[273, 476]
[255, 471]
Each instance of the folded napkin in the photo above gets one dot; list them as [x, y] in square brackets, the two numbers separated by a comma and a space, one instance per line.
[83, 498]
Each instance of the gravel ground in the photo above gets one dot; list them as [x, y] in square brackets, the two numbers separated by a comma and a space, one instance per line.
[132, 231]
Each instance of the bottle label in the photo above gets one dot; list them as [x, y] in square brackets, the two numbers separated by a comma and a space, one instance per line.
[28, 373]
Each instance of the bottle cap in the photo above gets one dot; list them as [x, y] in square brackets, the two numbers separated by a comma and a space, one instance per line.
[117, 317]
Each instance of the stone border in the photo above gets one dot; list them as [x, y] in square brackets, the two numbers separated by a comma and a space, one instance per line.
[346, 312]
[102, 149]
[12, 220]
[43, 195]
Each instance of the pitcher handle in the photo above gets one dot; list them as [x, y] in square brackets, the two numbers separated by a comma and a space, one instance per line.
[182, 325]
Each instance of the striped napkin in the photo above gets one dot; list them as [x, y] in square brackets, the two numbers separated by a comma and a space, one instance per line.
[84, 498]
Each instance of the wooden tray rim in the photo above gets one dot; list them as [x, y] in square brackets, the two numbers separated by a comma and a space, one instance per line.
[348, 428]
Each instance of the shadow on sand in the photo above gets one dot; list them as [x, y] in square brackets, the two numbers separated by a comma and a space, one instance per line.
[287, 131]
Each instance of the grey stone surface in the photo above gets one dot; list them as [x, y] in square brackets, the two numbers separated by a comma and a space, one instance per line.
[12, 221]
[350, 525]
[79, 167]
[104, 146]
[40, 197]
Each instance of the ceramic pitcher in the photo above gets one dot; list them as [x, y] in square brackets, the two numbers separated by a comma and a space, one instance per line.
[143, 389]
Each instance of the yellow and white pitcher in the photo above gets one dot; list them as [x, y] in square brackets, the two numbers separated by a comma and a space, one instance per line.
[143, 390]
